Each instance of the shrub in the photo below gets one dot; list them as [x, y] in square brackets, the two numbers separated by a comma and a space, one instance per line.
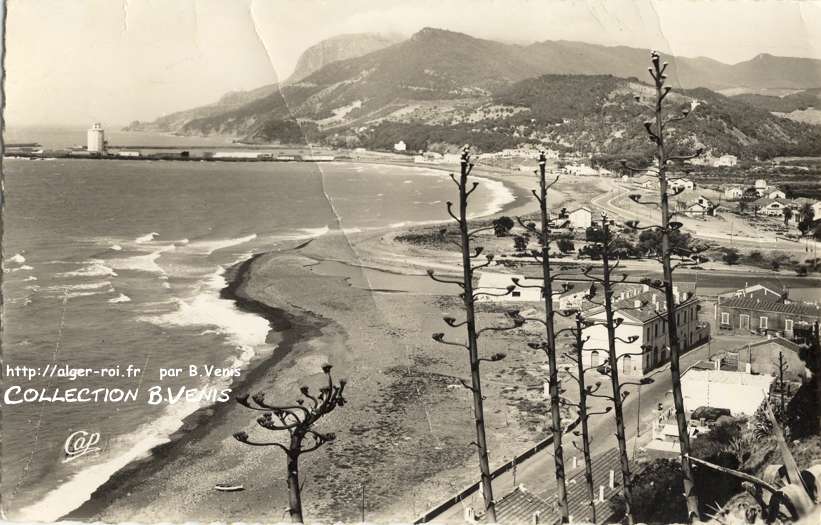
[731, 256]
[565, 245]
[502, 226]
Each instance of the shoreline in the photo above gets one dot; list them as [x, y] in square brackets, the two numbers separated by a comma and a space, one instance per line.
[293, 327]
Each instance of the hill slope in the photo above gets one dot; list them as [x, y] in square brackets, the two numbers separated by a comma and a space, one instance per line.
[441, 86]
[340, 47]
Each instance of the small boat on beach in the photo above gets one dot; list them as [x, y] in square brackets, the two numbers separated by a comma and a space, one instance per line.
[229, 487]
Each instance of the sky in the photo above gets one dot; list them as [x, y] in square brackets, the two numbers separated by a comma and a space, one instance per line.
[114, 61]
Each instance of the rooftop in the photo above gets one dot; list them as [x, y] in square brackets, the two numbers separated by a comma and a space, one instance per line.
[752, 303]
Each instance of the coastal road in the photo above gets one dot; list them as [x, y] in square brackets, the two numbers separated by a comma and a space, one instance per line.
[736, 232]
[537, 473]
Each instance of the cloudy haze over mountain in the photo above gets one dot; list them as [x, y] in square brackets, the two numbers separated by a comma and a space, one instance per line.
[116, 62]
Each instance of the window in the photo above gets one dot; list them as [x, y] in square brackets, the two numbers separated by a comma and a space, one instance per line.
[517, 293]
[762, 323]
[744, 321]
[725, 318]
[594, 358]
[788, 325]
[627, 364]
[657, 329]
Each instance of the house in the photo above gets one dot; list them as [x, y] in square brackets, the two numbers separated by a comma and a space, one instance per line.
[647, 183]
[763, 358]
[776, 194]
[733, 193]
[493, 287]
[738, 392]
[761, 187]
[725, 160]
[580, 169]
[748, 314]
[757, 291]
[580, 217]
[643, 344]
[400, 146]
[681, 184]
[696, 210]
[700, 207]
[771, 207]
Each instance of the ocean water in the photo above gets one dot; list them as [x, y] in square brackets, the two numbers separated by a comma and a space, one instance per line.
[118, 263]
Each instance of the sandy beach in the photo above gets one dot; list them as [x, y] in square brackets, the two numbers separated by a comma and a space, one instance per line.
[405, 436]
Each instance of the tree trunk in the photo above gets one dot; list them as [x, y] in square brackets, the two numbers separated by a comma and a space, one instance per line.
[547, 290]
[614, 378]
[294, 490]
[672, 327]
[588, 463]
[473, 350]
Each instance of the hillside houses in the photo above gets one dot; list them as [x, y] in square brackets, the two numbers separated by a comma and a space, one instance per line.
[681, 184]
[700, 207]
[776, 194]
[772, 207]
[733, 193]
[580, 217]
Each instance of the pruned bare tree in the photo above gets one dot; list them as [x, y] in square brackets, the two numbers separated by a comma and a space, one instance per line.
[469, 297]
[542, 256]
[298, 420]
[657, 130]
[611, 364]
[576, 356]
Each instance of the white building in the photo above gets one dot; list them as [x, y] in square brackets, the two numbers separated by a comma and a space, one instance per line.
[643, 346]
[725, 160]
[580, 169]
[494, 285]
[400, 146]
[733, 193]
[236, 155]
[739, 392]
[128, 153]
[581, 217]
[678, 182]
[776, 194]
[96, 138]
[761, 187]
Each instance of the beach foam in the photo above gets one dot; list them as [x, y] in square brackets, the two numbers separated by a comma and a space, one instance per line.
[142, 263]
[209, 247]
[93, 268]
[122, 298]
[148, 237]
[207, 308]
[17, 258]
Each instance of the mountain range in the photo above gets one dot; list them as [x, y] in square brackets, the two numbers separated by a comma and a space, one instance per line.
[450, 86]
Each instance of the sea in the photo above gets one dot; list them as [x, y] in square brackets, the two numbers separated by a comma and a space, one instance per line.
[110, 264]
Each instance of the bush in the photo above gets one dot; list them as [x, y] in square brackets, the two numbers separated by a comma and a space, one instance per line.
[520, 243]
[660, 481]
[502, 226]
[730, 256]
[565, 245]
